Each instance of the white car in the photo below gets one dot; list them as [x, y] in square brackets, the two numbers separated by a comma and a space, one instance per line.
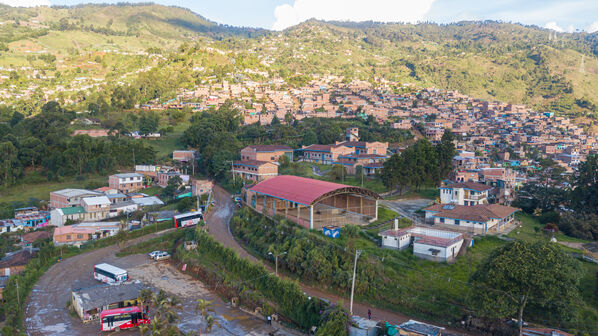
[154, 254]
[162, 256]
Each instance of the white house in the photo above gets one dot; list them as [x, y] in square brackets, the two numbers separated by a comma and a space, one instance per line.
[481, 219]
[464, 193]
[428, 243]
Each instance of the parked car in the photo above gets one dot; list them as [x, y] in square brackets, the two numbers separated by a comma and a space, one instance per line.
[162, 256]
[153, 254]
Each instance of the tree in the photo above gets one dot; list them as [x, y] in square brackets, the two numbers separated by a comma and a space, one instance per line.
[337, 172]
[148, 123]
[585, 194]
[275, 121]
[309, 137]
[336, 322]
[204, 307]
[173, 186]
[537, 278]
[10, 167]
[446, 152]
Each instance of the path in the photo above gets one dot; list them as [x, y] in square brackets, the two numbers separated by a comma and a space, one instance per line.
[218, 224]
[407, 208]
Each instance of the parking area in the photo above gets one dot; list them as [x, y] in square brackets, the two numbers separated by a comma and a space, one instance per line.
[47, 312]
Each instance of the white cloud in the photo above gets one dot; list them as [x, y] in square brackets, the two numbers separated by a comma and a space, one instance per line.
[354, 10]
[25, 3]
[593, 27]
[552, 25]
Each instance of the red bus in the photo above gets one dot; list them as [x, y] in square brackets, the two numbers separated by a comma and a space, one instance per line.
[122, 318]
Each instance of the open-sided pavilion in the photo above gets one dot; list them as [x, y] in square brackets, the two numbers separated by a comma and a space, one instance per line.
[313, 203]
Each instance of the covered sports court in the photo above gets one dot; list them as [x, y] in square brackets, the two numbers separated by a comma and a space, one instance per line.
[313, 203]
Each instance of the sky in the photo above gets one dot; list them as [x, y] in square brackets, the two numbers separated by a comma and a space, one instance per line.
[559, 15]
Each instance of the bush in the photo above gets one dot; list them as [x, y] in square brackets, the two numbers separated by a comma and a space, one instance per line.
[288, 296]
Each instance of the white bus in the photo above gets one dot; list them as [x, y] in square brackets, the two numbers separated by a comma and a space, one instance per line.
[188, 219]
[109, 274]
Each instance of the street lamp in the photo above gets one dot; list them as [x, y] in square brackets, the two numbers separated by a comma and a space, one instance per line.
[276, 260]
[357, 254]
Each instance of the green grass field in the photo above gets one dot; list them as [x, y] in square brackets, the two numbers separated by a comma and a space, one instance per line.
[168, 143]
[531, 230]
[41, 190]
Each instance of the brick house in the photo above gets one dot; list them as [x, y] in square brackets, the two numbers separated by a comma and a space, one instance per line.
[200, 187]
[72, 235]
[126, 183]
[183, 155]
[326, 154]
[69, 197]
[270, 153]
[255, 170]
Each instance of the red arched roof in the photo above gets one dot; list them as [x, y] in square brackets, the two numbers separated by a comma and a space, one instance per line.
[305, 191]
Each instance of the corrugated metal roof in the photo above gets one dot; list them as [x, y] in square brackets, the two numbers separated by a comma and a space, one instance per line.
[300, 189]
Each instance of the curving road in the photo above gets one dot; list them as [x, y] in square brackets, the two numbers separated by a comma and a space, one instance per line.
[218, 224]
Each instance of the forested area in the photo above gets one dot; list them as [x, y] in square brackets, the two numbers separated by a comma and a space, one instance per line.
[573, 210]
[43, 143]
[422, 164]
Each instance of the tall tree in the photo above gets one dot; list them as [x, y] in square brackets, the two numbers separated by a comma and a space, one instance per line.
[446, 152]
[10, 167]
[537, 279]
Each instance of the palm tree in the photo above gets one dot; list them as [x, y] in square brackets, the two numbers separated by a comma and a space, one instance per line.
[205, 307]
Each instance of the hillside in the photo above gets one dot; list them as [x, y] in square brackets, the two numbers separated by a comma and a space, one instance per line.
[52, 47]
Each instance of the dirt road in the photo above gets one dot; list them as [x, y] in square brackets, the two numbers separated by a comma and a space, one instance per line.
[218, 224]
[46, 312]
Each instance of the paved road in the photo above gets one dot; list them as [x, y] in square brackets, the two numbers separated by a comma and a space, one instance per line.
[407, 208]
[218, 224]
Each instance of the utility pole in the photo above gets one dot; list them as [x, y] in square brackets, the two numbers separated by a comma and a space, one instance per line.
[357, 254]
[134, 163]
[232, 170]
[362, 176]
[276, 261]
[18, 298]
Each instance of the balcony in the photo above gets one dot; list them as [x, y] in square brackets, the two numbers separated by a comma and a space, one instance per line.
[476, 197]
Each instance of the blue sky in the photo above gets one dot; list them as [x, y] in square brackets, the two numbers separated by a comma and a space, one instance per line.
[560, 15]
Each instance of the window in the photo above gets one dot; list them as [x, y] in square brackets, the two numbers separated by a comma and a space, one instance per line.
[457, 222]
[79, 236]
[441, 219]
[68, 237]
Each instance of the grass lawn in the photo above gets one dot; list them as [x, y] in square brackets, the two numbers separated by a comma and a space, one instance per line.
[168, 143]
[531, 230]
[304, 169]
[41, 190]
[424, 192]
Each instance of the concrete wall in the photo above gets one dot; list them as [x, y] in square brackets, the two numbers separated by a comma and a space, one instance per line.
[446, 253]
[397, 243]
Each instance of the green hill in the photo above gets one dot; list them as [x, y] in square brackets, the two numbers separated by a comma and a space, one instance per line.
[489, 60]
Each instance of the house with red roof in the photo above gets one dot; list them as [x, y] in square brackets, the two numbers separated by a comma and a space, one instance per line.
[479, 219]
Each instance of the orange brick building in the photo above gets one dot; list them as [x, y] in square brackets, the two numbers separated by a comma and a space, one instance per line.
[255, 170]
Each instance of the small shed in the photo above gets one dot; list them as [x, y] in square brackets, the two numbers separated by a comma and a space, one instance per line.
[363, 327]
[90, 302]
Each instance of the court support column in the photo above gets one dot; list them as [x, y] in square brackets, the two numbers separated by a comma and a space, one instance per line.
[298, 210]
[311, 217]
[376, 217]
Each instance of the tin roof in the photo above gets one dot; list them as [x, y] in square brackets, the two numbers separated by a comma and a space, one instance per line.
[303, 190]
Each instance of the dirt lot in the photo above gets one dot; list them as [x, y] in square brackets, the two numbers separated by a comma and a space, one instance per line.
[46, 312]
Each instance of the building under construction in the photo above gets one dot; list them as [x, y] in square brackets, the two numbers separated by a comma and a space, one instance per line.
[313, 203]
